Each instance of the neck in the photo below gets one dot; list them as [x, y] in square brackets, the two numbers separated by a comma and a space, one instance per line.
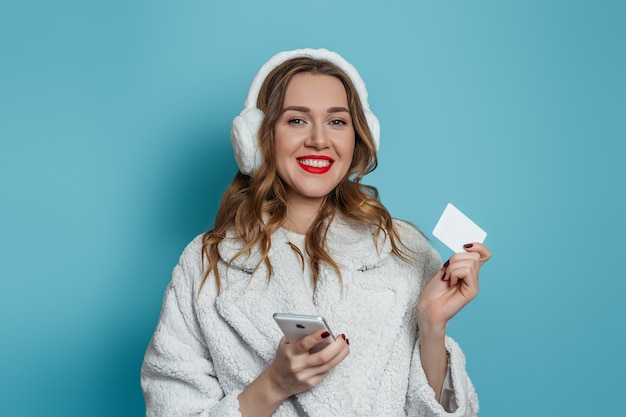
[300, 214]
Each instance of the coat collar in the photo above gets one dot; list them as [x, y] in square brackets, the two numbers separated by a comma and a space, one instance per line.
[351, 244]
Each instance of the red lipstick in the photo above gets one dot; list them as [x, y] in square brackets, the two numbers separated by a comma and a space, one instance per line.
[315, 164]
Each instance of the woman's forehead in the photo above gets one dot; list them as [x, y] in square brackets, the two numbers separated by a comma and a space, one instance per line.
[305, 89]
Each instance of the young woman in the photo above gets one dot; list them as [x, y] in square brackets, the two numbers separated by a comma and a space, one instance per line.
[297, 232]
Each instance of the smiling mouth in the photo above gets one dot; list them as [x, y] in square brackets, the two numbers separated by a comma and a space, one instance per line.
[315, 163]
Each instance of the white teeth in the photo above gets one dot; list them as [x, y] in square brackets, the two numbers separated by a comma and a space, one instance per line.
[316, 163]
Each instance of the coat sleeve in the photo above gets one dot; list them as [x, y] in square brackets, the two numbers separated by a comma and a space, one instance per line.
[421, 399]
[177, 375]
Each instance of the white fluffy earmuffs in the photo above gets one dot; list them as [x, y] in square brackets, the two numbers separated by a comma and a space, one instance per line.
[244, 133]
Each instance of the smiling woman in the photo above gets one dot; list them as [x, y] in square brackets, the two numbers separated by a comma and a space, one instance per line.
[297, 232]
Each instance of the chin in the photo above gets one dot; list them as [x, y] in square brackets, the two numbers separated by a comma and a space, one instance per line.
[316, 193]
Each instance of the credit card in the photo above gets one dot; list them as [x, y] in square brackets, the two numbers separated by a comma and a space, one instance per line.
[454, 229]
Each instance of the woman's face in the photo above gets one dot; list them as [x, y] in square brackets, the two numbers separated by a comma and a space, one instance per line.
[314, 136]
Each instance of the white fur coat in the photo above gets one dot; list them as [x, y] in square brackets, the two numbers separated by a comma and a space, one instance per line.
[207, 348]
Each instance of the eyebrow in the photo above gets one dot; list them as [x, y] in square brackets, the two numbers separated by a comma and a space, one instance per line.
[308, 110]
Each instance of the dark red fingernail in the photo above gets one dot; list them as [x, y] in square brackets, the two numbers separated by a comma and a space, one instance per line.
[325, 335]
[447, 263]
[343, 336]
[348, 342]
[468, 245]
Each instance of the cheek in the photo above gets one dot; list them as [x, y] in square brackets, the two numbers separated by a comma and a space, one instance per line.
[281, 147]
[356, 154]
[349, 147]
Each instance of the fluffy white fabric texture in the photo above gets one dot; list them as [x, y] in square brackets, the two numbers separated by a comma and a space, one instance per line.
[207, 347]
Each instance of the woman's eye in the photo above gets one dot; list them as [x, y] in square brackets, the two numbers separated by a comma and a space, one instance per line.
[338, 122]
[296, 121]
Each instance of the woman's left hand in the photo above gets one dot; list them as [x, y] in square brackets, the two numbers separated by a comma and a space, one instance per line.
[452, 287]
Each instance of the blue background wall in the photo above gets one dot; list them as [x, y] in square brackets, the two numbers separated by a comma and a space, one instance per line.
[114, 122]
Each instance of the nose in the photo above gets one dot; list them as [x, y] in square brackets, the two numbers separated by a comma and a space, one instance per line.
[317, 137]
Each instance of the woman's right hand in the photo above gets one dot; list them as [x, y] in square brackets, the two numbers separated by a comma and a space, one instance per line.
[293, 370]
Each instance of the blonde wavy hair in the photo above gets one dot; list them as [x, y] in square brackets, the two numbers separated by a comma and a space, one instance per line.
[254, 207]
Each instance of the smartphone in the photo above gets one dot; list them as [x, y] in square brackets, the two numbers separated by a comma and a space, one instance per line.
[296, 326]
